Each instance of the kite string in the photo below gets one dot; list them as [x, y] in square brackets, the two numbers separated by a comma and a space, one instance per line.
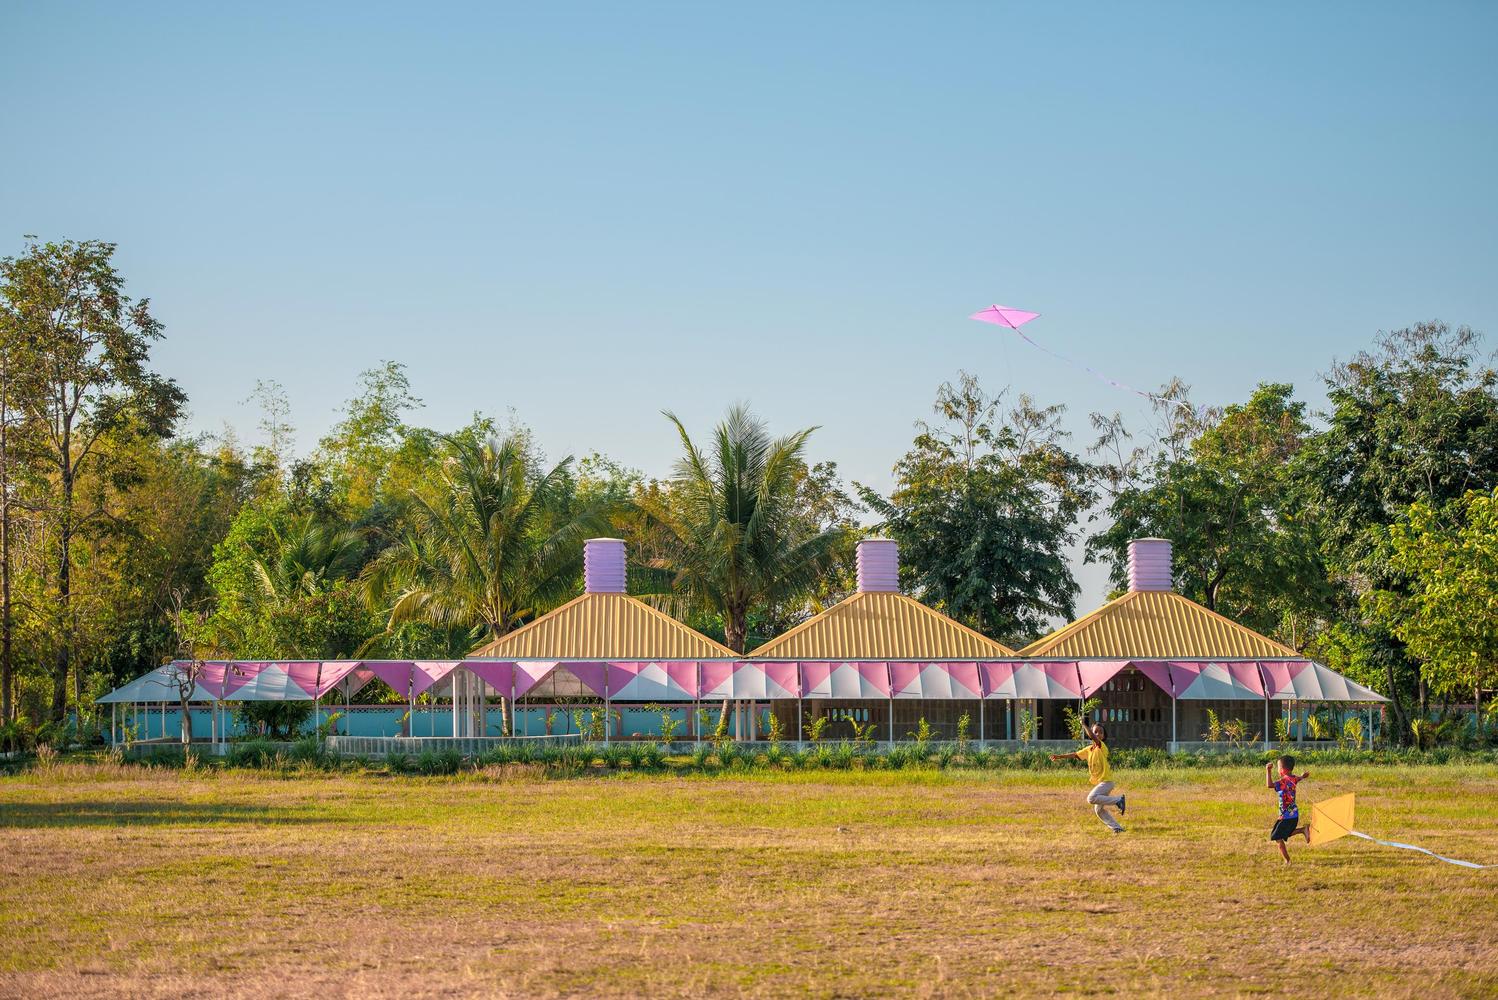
[1412, 847]
[1111, 381]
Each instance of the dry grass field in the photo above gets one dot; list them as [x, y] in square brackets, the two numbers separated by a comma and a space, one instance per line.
[157, 883]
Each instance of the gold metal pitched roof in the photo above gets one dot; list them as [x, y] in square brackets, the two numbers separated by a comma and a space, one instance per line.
[604, 627]
[881, 626]
[1156, 624]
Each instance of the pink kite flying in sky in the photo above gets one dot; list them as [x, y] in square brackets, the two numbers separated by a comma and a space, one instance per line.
[1004, 316]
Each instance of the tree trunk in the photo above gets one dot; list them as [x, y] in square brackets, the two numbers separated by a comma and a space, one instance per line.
[1401, 718]
[186, 723]
[64, 598]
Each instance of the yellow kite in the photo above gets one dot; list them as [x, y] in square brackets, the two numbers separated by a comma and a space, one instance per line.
[1331, 819]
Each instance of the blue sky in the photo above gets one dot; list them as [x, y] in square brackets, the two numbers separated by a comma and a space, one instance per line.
[587, 213]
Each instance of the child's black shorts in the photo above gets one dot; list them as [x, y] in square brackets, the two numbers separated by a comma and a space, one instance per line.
[1284, 828]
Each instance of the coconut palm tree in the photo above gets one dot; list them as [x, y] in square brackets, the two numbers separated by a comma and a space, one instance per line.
[309, 556]
[488, 544]
[736, 538]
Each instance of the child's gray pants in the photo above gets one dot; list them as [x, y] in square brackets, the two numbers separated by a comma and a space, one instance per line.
[1100, 798]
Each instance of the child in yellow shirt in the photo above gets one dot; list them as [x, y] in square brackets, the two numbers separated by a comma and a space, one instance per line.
[1095, 754]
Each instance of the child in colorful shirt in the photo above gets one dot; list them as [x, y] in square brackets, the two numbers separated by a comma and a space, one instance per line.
[1284, 787]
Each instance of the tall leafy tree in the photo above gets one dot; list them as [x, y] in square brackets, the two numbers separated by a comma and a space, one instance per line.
[984, 507]
[13, 469]
[1413, 421]
[488, 543]
[1218, 484]
[732, 535]
[1445, 615]
[88, 377]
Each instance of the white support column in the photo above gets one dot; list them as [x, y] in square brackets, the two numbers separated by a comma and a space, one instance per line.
[982, 733]
[114, 715]
[1174, 739]
[454, 676]
[892, 721]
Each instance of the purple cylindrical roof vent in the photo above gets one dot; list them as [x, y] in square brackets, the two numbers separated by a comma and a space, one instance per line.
[878, 566]
[603, 566]
[1149, 564]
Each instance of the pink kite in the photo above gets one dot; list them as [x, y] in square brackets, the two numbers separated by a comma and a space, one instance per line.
[1004, 316]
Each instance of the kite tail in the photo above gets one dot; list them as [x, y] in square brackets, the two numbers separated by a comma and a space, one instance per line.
[1412, 847]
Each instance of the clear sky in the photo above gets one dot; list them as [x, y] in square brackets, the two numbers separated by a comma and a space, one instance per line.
[587, 213]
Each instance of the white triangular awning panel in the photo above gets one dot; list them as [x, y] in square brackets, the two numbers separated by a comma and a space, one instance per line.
[1225, 682]
[751, 681]
[270, 684]
[652, 683]
[1334, 687]
[935, 681]
[858, 681]
[158, 685]
[1046, 681]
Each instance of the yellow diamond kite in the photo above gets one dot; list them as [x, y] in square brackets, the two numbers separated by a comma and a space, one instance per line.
[1331, 819]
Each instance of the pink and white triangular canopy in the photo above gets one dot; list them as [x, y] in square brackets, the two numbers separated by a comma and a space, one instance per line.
[1004, 316]
[669, 681]
[845, 680]
[946, 681]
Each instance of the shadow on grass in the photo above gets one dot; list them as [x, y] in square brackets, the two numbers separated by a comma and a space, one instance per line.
[21, 815]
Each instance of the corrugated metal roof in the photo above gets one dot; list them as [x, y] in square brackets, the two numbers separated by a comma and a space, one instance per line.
[881, 626]
[605, 626]
[1156, 624]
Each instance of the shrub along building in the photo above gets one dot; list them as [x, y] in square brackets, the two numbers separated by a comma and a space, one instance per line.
[875, 664]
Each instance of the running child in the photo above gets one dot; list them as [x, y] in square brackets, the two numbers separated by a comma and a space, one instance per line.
[1095, 754]
[1284, 786]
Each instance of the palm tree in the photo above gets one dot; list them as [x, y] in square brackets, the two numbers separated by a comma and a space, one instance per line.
[489, 544]
[309, 556]
[736, 538]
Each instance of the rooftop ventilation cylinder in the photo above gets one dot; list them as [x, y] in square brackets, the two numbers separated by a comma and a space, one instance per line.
[878, 566]
[1149, 564]
[603, 566]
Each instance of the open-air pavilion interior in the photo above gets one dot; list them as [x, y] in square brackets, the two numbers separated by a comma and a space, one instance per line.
[875, 664]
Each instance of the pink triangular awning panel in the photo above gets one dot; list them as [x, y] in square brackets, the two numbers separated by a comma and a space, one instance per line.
[220, 677]
[939, 681]
[752, 680]
[529, 674]
[240, 673]
[650, 681]
[845, 680]
[712, 676]
[783, 679]
[997, 678]
[271, 683]
[1047, 680]
[1280, 676]
[1163, 676]
[356, 680]
[905, 679]
[396, 673]
[332, 674]
[1222, 682]
[303, 673]
[592, 675]
[430, 672]
[497, 674]
[1096, 673]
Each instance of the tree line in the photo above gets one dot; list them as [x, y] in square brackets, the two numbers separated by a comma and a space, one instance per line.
[1365, 536]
